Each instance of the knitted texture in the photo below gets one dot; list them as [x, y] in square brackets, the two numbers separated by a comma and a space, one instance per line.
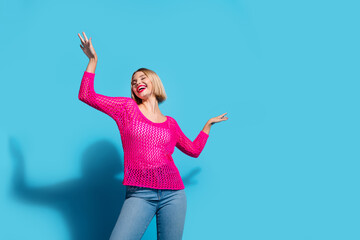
[147, 145]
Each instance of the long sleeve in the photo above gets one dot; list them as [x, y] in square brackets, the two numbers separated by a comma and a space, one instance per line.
[191, 148]
[106, 104]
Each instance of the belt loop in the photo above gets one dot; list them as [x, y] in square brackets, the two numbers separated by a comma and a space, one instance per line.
[159, 193]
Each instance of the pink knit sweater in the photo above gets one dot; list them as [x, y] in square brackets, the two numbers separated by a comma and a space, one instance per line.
[147, 145]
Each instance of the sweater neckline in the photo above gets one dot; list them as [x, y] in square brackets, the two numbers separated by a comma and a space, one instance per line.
[148, 120]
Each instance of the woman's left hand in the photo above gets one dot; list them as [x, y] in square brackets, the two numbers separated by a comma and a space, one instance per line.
[219, 118]
[213, 120]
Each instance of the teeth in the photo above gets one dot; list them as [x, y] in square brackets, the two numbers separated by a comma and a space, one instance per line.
[142, 87]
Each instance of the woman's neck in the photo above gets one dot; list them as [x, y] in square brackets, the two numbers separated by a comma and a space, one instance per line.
[151, 106]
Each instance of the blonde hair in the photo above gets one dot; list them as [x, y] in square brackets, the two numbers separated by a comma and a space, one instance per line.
[159, 90]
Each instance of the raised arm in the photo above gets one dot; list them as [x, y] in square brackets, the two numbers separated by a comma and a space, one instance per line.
[106, 104]
[87, 94]
[190, 148]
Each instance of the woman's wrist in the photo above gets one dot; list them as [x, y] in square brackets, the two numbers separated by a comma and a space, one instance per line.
[93, 59]
[207, 127]
[92, 65]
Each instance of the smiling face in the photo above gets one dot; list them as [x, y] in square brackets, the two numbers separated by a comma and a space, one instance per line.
[141, 85]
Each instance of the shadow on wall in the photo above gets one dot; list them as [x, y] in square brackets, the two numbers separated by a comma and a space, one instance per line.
[90, 205]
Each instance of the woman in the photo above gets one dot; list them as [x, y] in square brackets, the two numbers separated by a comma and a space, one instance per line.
[153, 183]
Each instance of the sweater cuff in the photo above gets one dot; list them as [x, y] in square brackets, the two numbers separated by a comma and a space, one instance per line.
[89, 73]
[204, 133]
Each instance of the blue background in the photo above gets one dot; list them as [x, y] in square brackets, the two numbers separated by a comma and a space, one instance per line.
[285, 165]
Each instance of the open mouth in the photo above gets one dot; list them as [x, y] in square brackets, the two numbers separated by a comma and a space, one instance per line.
[141, 88]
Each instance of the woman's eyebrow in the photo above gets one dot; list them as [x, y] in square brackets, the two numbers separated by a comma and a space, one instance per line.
[139, 77]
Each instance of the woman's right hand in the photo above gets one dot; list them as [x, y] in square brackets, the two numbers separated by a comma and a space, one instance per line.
[87, 47]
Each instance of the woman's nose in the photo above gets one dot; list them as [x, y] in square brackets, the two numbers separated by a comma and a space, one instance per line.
[138, 84]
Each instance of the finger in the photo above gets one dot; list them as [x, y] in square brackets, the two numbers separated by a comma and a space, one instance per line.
[222, 115]
[85, 36]
[82, 40]
[222, 119]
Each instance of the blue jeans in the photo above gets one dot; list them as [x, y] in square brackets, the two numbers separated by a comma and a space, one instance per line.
[140, 206]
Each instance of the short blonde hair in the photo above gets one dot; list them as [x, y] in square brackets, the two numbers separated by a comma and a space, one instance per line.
[159, 90]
